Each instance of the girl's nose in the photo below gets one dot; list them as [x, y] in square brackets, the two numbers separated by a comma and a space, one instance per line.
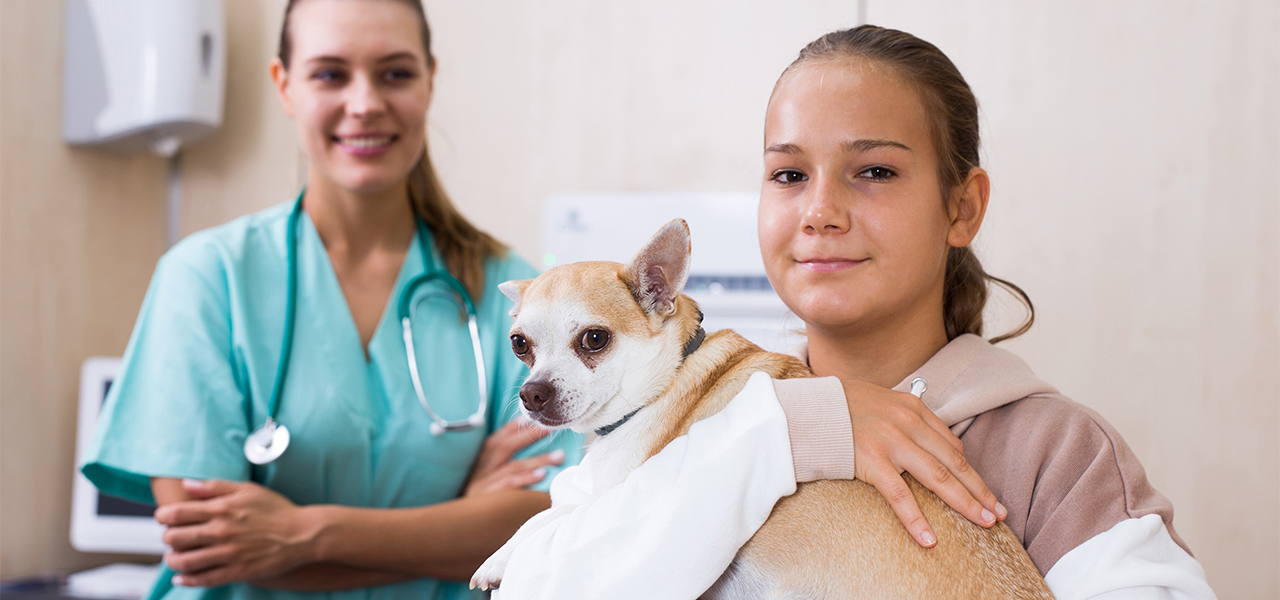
[825, 209]
[364, 98]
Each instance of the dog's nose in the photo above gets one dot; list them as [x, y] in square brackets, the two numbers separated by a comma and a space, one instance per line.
[536, 395]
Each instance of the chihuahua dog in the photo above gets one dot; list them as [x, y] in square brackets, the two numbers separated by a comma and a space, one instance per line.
[619, 350]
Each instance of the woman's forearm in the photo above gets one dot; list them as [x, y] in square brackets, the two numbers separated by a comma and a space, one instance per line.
[169, 490]
[338, 547]
[445, 541]
[325, 577]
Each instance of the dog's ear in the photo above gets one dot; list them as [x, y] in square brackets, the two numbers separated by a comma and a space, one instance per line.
[514, 290]
[658, 273]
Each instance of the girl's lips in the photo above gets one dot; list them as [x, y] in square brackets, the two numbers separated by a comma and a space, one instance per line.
[829, 265]
[365, 145]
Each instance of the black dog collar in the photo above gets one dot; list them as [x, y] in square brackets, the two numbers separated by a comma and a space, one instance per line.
[695, 341]
[607, 429]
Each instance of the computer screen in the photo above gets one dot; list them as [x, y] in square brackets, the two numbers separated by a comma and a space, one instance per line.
[99, 522]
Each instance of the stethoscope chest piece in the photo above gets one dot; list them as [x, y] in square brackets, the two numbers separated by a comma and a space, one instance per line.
[266, 443]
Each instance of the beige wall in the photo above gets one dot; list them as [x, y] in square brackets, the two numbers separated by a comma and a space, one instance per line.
[1133, 147]
[79, 234]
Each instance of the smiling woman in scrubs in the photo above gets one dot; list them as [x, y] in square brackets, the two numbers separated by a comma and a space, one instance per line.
[365, 499]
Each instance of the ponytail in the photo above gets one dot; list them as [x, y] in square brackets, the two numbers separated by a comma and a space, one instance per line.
[463, 247]
[965, 294]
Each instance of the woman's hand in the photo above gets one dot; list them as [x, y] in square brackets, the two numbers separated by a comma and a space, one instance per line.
[234, 531]
[494, 470]
[895, 432]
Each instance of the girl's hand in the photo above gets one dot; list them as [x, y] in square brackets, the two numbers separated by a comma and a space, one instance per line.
[494, 470]
[234, 531]
[895, 432]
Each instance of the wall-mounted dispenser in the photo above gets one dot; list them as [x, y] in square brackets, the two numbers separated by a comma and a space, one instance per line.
[143, 74]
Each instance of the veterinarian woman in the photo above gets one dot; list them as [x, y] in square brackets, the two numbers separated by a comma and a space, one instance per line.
[289, 322]
[871, 194]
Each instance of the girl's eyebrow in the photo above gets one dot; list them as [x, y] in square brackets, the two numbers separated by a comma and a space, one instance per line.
[341, 60]
[784, 148]
[853, 146]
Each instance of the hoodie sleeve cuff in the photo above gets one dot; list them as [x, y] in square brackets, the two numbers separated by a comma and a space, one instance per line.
[818, 423]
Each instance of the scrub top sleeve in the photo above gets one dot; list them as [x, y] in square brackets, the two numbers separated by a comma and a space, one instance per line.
[511, 372]
[176, 408]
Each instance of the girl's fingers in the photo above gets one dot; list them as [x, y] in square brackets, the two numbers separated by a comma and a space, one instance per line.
[941, 466]
[952, 457]
[937, 425]
[940, 479]
[894, 488]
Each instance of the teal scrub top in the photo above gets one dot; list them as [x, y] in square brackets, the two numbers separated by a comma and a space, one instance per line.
[198, 372]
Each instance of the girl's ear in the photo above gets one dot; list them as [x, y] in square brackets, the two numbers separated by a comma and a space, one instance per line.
[280, 78]
[968, 207]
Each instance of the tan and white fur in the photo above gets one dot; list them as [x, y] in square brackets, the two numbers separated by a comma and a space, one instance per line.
[831, 539]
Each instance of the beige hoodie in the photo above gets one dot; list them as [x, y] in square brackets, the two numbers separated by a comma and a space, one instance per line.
[1064, 474]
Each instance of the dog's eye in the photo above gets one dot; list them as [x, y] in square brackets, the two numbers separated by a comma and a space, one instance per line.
[594, 340]
[519, 345]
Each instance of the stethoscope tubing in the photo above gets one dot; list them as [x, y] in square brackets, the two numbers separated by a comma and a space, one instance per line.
[290, 311]
[258, 449]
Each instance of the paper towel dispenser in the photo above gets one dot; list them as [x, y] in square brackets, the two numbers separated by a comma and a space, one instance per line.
[143, 74]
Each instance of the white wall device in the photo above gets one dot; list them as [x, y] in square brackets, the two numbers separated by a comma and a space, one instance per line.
[142, 74]
[726, 276]
[101, 523]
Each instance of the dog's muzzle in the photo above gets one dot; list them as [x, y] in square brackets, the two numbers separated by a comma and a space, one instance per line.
[536, 395]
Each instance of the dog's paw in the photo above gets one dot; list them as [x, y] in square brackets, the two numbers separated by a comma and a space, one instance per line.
[489, 575]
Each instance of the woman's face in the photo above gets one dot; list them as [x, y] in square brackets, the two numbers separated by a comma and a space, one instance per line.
[853, 228]
[357, 86]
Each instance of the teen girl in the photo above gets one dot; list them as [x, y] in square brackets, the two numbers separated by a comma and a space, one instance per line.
[872, 193]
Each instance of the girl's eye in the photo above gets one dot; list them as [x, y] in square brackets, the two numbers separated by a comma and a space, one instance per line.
[594, 340]
[399, 75]
[328, 75]
[519, 345]
[788, 176]
[877, 173]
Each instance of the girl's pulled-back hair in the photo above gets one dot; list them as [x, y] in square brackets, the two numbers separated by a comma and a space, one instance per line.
[953, 114]
[463, 247]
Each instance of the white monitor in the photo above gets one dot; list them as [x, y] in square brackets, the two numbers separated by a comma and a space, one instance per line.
[726, 273]
[102, 523]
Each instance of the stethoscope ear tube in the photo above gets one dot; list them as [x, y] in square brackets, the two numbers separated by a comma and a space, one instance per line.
[439, 425]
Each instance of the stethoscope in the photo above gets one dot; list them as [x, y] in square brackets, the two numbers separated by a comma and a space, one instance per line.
[269, 441]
